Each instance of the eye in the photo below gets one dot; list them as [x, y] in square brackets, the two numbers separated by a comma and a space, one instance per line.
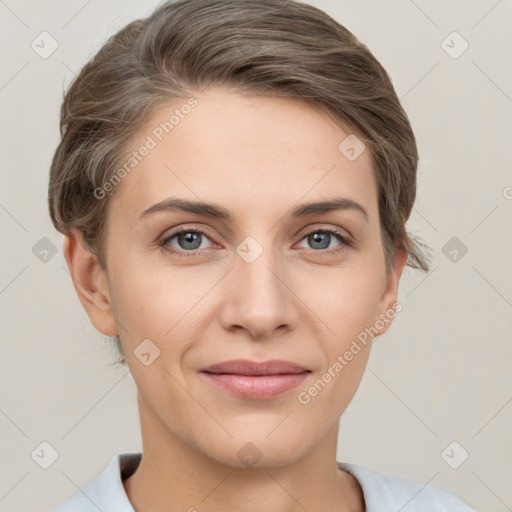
[320, 239]
[185, 241]
[190, 242]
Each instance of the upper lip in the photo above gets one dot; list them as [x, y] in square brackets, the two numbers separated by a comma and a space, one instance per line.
[246, 367]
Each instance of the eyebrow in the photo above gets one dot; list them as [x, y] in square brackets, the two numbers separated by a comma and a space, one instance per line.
[219, 212]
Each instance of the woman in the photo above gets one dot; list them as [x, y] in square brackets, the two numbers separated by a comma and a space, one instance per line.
[233, 181]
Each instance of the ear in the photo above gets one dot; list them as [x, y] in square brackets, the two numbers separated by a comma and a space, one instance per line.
[91, 283]
[388, 303]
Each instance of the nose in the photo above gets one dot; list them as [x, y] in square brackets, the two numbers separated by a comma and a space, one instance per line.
[258, 298]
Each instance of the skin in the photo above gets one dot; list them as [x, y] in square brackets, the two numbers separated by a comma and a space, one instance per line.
[258, 158]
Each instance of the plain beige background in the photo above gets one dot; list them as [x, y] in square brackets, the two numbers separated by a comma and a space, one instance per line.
[440, 375]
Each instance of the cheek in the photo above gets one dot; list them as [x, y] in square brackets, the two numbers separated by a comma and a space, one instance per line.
[346, 301]
[163, 303]
[350, 313]
[158, 303]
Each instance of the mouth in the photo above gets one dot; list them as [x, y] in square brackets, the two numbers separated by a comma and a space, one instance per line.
[256, 380]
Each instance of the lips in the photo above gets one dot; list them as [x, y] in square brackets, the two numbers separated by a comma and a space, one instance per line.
[245, 367]
[255, 380]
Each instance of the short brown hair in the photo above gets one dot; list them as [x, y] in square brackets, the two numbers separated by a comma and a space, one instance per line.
[273, 48]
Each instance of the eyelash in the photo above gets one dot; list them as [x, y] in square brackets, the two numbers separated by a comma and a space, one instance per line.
[345, 241]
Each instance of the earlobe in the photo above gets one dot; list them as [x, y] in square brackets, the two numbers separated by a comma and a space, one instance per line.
[387, 305]
[90, 282]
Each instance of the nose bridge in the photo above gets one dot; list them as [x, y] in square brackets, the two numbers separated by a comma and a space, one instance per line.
[258, 300]
[258, 279]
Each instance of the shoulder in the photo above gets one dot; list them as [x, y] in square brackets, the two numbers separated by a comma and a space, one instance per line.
[105, 491]
[383, 492]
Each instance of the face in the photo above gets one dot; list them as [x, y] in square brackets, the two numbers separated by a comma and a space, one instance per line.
[256, 276]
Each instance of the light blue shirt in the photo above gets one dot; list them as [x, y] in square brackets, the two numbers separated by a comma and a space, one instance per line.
[106, 493]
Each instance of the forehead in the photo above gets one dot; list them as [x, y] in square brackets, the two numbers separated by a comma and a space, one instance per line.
[246, 152]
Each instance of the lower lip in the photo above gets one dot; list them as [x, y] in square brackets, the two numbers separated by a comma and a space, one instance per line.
[256, 387]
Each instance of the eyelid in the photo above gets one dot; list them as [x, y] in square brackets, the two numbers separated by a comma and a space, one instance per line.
[162, 240]
[318, 226]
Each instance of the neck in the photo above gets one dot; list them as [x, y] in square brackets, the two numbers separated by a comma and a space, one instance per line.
[175, 476]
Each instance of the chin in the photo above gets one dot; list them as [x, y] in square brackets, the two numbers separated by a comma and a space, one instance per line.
[257, 451]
